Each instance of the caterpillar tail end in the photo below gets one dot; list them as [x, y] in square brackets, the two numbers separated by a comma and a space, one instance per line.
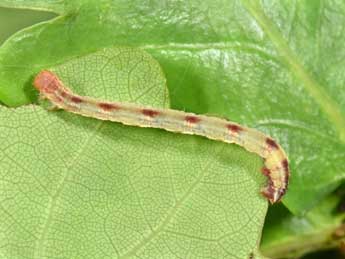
[272, 195]
[277, 171]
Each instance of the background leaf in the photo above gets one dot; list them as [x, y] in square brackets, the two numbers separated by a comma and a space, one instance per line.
[291, 236]
[46, 5]
[12, 20]
[73, 187]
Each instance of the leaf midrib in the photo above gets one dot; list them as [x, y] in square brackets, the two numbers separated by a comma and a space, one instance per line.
[40, 242]
[316, 91]
[170, 215]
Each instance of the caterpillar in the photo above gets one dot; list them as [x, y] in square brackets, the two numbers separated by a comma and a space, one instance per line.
[276, 165]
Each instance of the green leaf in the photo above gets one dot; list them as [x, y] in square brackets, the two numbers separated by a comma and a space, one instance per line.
[276, 66]
[44, 5]
[75, 187]
[293, 236]
[12, 20]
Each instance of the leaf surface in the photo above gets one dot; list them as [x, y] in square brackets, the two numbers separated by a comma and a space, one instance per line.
[74, 187]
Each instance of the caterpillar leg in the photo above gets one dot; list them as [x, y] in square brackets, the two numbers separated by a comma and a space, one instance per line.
[269, 193]
[46, 103]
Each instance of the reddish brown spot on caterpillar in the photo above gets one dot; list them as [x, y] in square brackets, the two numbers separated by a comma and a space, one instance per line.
[76, 99]
[46, 82]
[150, 113]
[268, 191]
[234, 128]
[265, 171]
[63, 93]
[271, 143]
[192, 119]
[108, 106]
[285, 165]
